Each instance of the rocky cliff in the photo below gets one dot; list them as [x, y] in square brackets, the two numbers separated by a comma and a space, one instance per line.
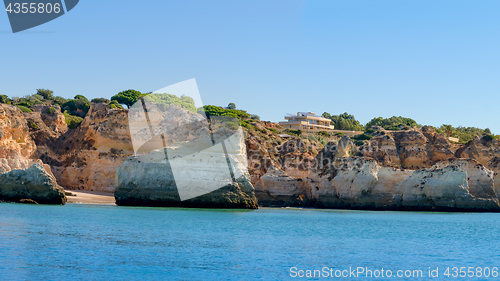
[17, 147]
[22, 175]
[406, 170]
[196, 173]
[410, 170]
[15, 139]
[84, 158]
[412, 149]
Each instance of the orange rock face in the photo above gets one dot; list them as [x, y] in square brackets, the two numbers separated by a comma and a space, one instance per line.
[412, 149]
[15, 139]
[86, 158]
[418, 167]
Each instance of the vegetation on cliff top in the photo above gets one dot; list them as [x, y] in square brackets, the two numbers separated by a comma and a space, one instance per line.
[394, 123]
[128, 97]
[348, 122]
[235, 117]
[168, 99]
[76, 109]
[79, 106]
[464, 134]
[72, 121]
[344, 121]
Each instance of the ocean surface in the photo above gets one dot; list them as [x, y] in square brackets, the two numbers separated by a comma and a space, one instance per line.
[90, 242]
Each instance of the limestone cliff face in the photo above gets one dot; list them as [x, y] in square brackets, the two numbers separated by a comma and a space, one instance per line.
[486, 151]
[465, 186]
[15, 139]
[481, 149]
[87, 157]
[188, 174]
[360, 183]
[368, 183]
[411, 149]
[17, 154]
[344, 147]
[357, 182]
[47, 125]
[276, 188]
[383, 149]
[416, 169]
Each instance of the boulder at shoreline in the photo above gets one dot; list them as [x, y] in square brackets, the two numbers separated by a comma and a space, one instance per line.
[35, 184]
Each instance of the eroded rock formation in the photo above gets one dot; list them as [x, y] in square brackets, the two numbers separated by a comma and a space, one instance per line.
[379, 179]
[34, 184]
[411, 170]
[15, 139]
[85, 158]
[189, 174]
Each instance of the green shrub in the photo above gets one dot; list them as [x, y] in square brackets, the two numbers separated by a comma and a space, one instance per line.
[392, 123]
[79, 106]
[255, 117]
[464, 134]
[360, 142]
[72, 121]
[394, 128]
[46, 94]
[489, 137]
[4, 99]
[100, 100]
[24, 108]
[273, 130]
[339, 134]
[30, 100]
[322, 141]
[295, 132]
[32, 125]
[115, 104]
[344, 121]
[317, 138]
[212, 110]
[185, 102]
[51, 110]
[324, 133]
[58, 100]
[128, 97]
[246, 125]
[362, 137]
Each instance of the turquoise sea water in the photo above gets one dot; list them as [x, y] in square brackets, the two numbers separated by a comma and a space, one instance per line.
[90, 242]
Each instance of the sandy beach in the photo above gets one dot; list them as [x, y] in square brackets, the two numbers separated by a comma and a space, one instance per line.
[91, 197]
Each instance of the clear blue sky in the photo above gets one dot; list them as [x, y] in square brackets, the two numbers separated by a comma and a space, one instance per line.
[434, 61]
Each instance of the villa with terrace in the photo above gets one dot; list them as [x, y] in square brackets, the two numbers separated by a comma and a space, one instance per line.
[307, 122]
